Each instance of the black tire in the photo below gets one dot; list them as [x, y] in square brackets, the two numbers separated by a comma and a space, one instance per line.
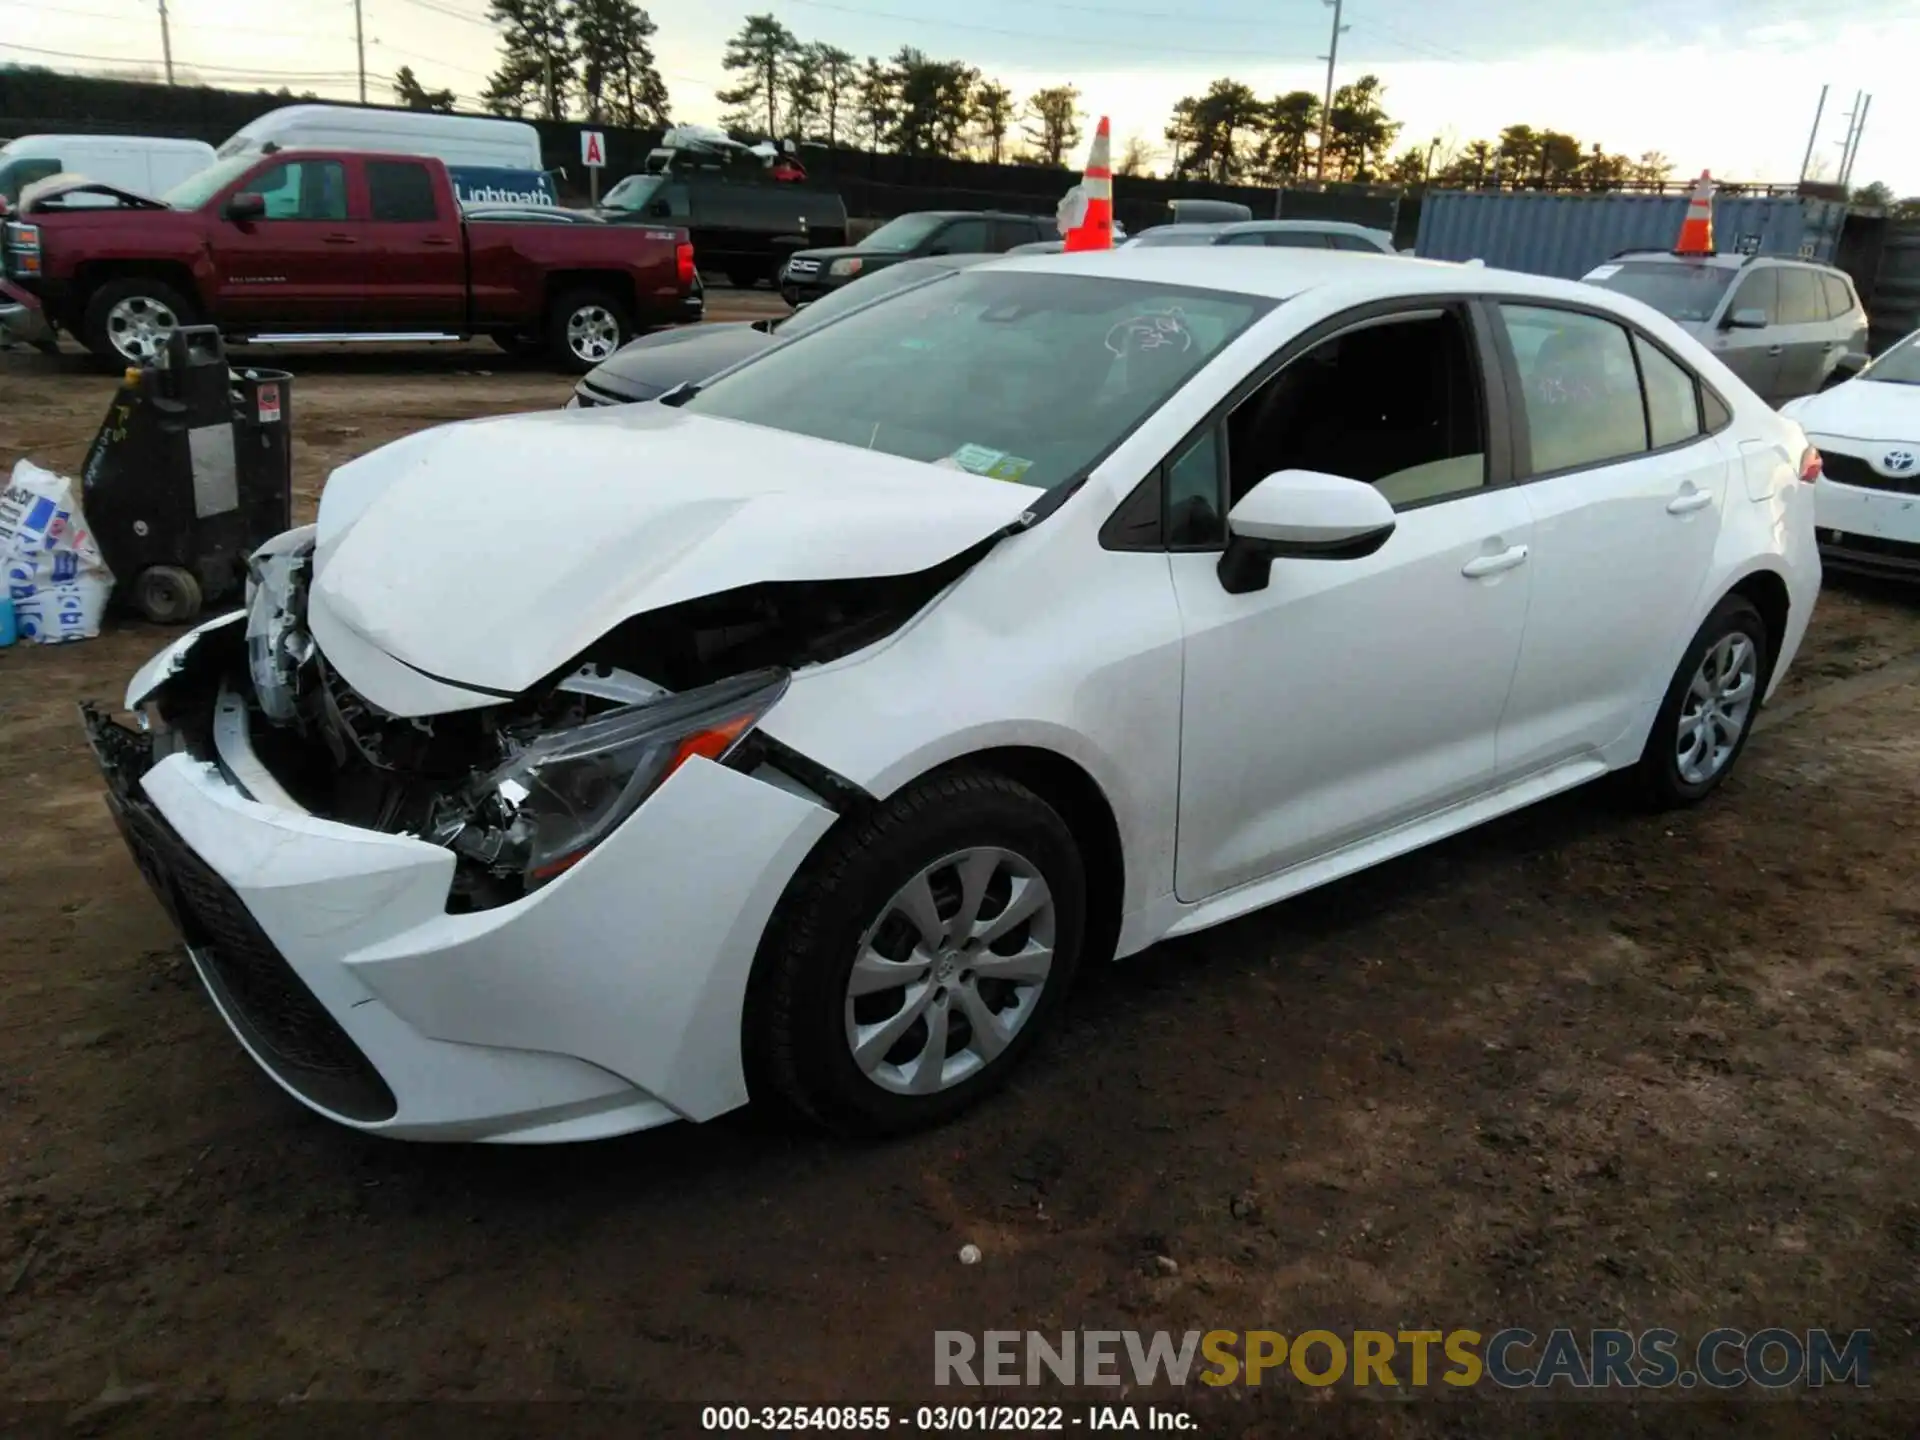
[98, 328]
[796, 1037]
[745, 277]
[167, 595]
[592, 308]
[1660, 779]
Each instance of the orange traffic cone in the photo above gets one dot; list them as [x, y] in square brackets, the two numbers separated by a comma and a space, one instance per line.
[1696, 231]
[1090, 227]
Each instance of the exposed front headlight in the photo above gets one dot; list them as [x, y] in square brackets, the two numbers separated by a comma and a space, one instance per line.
[851, 265]
[570, 789]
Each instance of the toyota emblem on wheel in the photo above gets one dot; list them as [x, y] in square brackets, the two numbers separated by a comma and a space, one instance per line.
[1898, 462]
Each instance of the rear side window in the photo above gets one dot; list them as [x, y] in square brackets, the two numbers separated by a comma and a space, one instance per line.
[1580, 387]
[400, 190]
[1839, 297]
[1673, 401]
[1759, 291]
[1802, 302]
[1297, 239]
[1349, 242]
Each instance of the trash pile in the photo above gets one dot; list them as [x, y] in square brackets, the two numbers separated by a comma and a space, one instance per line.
[57, 584]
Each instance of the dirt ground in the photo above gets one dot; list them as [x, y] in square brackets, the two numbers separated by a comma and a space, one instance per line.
[1582, 1067]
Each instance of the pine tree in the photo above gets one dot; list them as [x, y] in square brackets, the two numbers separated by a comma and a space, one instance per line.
[618, 74]
[408, 91]
[537, 57]
[763, 53]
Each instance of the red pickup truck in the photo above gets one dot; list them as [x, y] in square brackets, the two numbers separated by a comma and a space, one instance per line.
[308, 245]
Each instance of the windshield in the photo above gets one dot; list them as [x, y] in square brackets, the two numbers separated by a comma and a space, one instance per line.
[1687, 293]
[196, 190]
[1021, 376]
[864, 291]
[902, 234]
[1166, 235]
[633, 192]
[1898, 366]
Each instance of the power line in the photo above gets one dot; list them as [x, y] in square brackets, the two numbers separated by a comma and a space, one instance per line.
[1050, 39]
[332, 75]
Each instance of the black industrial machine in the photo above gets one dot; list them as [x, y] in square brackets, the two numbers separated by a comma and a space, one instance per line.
[192, 471]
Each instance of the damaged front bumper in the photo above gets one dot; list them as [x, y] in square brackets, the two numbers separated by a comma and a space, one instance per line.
[608, 1000]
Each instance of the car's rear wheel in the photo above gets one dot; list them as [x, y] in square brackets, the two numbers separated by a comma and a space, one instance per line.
[128, 322]
[1710, 706]
[924, 953]
[585, 327]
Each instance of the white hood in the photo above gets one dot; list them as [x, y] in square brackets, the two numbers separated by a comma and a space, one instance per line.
[488, 554]
[1862, 410]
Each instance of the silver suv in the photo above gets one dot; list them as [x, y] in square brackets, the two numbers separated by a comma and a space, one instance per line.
[1786, 327]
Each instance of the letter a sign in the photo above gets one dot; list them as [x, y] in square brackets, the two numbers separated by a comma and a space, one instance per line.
[593, 149]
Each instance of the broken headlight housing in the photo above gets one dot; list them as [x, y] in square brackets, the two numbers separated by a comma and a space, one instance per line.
[562, 793]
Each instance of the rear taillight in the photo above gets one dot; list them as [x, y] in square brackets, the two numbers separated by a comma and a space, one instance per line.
[1810, 466]
[683, 258]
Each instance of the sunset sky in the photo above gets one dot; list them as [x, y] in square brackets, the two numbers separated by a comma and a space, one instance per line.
[1726, 84]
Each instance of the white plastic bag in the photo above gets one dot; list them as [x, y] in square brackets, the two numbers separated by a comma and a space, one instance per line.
[53, 568]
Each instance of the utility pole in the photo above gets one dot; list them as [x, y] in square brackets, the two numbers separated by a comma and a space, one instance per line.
[1853, 154]
[1326, 108]
[166, 41]
[1814, 136]
[1846, 143]
[360, 46]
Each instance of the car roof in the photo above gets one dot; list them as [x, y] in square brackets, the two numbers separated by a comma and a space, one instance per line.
[1719, 260]
[1281, 274]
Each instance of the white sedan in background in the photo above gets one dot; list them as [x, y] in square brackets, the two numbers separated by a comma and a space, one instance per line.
[1868, 432]
[802, 733]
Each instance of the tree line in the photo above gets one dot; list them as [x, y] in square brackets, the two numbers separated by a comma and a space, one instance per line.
[565, 58]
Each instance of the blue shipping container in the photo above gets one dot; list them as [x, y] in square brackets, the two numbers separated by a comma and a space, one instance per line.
[1567, 235]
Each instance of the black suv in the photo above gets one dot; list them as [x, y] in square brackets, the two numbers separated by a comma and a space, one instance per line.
[809, 274]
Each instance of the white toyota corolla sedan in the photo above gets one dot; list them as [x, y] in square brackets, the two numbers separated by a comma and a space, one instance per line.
[1868, 431]
[802, 734]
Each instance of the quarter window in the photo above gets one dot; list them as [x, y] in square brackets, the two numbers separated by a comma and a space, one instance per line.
[1673, 401]
[399, 190]
[1839, 301]
[1193, 495]
[1579, 387]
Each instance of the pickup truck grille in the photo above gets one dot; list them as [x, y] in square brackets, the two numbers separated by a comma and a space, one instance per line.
[803, 267]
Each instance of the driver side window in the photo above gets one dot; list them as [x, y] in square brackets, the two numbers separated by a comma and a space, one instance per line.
[1394, 403]
[303, 190]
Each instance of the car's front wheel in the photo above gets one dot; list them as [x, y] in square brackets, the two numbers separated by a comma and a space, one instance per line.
[1710, 706]
[921, 957]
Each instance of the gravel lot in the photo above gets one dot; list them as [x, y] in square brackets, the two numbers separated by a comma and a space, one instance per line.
[1582, 1067]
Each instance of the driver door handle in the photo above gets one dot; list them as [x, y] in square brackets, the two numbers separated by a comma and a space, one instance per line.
[1689, 501]
[337, 239]
[1493, 564]
[1776, 349]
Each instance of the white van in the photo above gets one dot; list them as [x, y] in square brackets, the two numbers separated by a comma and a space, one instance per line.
[456, 140]
[140, 163]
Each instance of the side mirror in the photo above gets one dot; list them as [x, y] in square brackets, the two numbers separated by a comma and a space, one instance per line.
[1301, 515]
[246, 206]
[1749, 319]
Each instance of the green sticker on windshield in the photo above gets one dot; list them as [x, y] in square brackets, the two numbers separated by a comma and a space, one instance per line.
[994, 464]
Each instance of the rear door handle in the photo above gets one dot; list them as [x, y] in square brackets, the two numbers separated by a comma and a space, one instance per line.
[438, 242]
[1690, 501]
[338, 240]
[1493, 564]
[1776, 349]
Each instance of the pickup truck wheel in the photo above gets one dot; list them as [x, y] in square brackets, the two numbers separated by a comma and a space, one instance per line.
[128, 322]
[585, 327]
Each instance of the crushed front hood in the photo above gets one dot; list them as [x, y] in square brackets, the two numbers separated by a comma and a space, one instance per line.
[483, 556]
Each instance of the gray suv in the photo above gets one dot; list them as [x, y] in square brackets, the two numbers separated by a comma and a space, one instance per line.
[1786, 327]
